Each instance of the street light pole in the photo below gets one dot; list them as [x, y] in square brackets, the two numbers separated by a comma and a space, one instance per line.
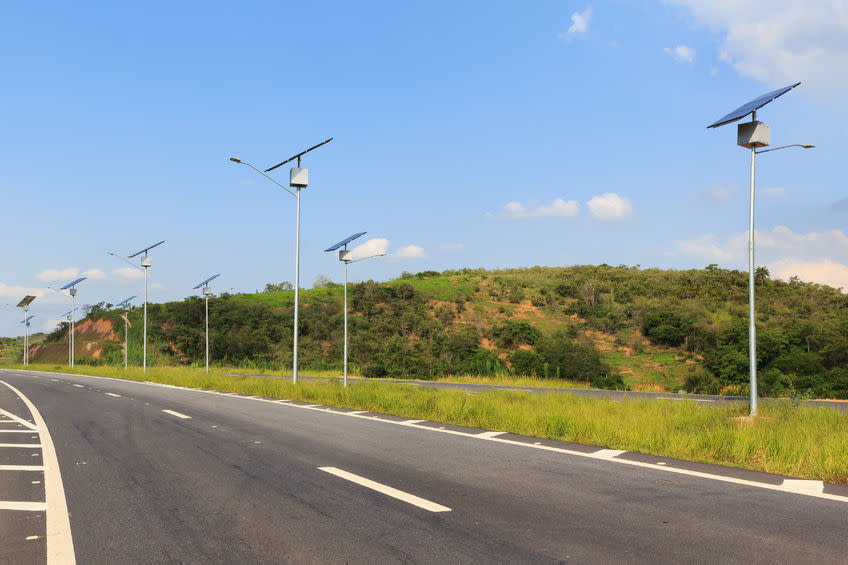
[24, 303]
[298, 179]
[752, 316]
[207, 292]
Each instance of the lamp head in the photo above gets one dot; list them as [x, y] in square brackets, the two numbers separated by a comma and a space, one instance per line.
[807, 146]
[235, 160]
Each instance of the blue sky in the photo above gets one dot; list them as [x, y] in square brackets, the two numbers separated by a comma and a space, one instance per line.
[467, 134]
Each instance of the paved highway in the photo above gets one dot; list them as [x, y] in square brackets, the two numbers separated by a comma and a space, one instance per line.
[151, 473]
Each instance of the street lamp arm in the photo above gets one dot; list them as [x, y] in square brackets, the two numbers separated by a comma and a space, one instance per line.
[58, 292]
[804, 145]
[125, 260]
[364, 258]
[240, 162]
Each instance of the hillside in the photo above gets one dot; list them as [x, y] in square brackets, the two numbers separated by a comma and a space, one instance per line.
[613, 327]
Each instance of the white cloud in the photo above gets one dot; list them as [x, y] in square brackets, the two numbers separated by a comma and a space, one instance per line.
[452, 246]
[776, 191]
[681, 53]
[370, 248]
[558, 207]
[610, 207]
[824, 271]
[716, 193]
[52, 275]
[579, 24]
[128, 273]
[15, 293]
[94, 274]
[782, 41]
[819, 257]
[410, 252]
[705, 247]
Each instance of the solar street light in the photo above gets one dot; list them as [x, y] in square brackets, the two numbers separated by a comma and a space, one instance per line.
[754, 135]
[145, 263]
[72, 291]
[344, 257]
[206, 293]
[298, 179]
[126, 316]
[24, 303]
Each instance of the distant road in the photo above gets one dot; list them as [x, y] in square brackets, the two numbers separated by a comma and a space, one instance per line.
[706, 399]
[161, 474]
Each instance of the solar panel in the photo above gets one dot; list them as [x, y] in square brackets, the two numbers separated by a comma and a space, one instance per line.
[25, 301]
[72, 283]
[298, 155]
[754, 104]
[146, 249]
[28, 319]
[122, 302]
[345, 241]
[207, 280]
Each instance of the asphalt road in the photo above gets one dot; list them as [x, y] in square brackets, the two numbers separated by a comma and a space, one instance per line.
[167, 475]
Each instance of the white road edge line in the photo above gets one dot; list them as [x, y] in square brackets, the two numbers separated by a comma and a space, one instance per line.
[177, 414]
[387, 490]
[358, 414]
[60, 543]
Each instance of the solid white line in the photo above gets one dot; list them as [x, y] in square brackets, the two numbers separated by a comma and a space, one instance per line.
[30, 445]
[803, 486]
[22, 468]
[608, 453]
[18, 432]
[387, 490]
[408, 422]
[31, 506]
[19, 420]
[177, 414]
[113, 394]
[60, 543]
[487, 435]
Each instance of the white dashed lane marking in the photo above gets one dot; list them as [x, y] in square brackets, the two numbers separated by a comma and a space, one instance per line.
[113, 394]
[177, 414]
[387, 490]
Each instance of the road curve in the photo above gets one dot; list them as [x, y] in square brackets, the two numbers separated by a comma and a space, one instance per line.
[162, 474]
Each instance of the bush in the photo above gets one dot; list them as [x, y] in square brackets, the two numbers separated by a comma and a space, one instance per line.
[664, 328]
[528, 363]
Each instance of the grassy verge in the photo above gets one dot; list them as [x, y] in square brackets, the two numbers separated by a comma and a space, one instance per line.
[801, 442]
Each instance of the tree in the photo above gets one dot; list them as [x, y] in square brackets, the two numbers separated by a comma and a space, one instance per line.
[761, 275]
[285, 285]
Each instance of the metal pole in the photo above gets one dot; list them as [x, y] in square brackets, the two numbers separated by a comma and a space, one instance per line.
[26, 337]
[73, 321]
[207, 333]
[345, 325]
[144, 361]
[752, 330]
[296, 288]
[69, 340]
[126, 337]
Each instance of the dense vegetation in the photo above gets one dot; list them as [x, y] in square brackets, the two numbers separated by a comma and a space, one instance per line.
[558, 323]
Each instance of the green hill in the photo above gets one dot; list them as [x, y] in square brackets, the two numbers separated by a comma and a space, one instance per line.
[612, 327]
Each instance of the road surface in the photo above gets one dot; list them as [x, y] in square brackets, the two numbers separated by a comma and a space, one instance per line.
[151, 473]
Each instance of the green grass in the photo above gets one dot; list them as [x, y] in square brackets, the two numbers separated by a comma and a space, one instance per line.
[801, 442]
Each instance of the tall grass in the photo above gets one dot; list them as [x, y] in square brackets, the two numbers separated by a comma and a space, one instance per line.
[802, 442]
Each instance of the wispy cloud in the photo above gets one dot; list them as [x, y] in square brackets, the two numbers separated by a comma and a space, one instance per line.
[579, 24]
[823, 271]
[681, 53]
[775, 191]
[53, 275]
[94, 274]
[777, 41]
[610, 207]
[128, 273]
[410, 252]
[558, 207]
[715, 194]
